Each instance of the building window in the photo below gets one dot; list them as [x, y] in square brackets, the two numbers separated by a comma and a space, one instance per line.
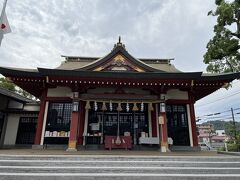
[58, 123]
[26, 130]
[59, 116]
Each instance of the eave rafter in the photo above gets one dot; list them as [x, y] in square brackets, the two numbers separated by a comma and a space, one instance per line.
[33, 85]
[27, 79]
[96, 82]
[201, 89]
[35, 82]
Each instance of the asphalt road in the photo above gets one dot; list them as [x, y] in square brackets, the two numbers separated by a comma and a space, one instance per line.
[57, 167]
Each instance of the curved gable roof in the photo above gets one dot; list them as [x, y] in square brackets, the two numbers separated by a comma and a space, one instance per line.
[119, 48]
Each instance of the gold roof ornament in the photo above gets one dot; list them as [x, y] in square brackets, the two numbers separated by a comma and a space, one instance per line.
[226, 85]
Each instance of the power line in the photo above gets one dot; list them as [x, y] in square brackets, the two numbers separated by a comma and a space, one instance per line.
[219, 119]
[219, 116]
[216, 117]
[234, 124]
[224, 118]
[217, 113]
[218, 99]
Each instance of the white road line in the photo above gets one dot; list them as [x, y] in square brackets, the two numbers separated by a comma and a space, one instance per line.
[119, 175]
[114, 167]
[117, 161]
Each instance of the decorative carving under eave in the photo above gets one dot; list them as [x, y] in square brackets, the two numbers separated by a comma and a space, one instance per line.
[119, 60]
[119, 63]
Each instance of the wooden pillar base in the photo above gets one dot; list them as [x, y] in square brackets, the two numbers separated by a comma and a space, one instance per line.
[72, 146]
[164, 147]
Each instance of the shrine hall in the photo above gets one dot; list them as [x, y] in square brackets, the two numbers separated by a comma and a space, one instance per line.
[116, 102]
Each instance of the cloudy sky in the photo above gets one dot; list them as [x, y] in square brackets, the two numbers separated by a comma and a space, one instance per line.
[42, 30]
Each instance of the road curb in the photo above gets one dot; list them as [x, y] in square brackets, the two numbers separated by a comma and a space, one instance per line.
[229, 153]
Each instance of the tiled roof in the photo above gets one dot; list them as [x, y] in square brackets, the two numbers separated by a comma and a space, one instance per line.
[14, 95]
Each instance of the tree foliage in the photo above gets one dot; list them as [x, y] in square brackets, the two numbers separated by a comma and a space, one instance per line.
[6, 84]
[223, 50]
[225, 125]
[231, 129]
[25, 94]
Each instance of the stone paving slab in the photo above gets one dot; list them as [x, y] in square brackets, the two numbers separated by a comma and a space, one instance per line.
[104, 152]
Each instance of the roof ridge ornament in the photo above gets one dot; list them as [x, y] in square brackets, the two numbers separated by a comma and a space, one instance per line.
[119, 43]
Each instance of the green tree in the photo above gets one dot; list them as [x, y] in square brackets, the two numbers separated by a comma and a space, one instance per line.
[6, 84]
[230, 129]
[25, 94]
[223, 50]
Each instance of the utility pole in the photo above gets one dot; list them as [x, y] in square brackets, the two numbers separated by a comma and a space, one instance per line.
[234, 125]
[210, 134]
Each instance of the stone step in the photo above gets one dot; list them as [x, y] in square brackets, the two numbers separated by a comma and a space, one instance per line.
[119, 163]
[117, 170]
[120, 176]
[122, 158]
[118, 167]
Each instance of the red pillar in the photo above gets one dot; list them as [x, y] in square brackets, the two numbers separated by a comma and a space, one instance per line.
[193, 124]
[40, 119]
[163, 132]
[72, 145]
[81, 122]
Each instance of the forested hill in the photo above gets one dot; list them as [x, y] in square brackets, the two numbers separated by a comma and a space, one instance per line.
[219, 125]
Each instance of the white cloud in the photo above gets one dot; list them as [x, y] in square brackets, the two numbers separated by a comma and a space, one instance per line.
[149, 28]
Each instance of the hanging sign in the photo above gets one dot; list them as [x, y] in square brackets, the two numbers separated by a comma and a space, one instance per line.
[160, 120]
